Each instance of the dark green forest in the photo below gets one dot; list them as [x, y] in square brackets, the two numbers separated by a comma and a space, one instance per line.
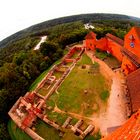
[20, 65]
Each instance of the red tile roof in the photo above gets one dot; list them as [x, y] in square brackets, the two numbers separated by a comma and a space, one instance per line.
[90, 35]
[128, 131]
[137, 29]
[131, 56]
[116, 39]
[133, 84]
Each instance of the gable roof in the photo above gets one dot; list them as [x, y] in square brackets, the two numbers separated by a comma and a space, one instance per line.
[90, 35]
[137, 30]
[116, 39]
[133, 84]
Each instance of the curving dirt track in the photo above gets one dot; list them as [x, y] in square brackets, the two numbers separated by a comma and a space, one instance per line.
[115, 115]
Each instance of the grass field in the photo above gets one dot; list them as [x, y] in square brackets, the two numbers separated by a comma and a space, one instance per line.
[70, 136]
[59, 118]
[45, 89]
[16, 133]
[96, 136]
[72, 96]
[58, 74]
[46, 131]
[110, 60]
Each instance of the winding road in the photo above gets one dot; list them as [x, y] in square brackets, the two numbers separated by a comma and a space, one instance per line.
[43, 39]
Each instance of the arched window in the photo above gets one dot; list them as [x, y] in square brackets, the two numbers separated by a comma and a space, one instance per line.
[132, 44]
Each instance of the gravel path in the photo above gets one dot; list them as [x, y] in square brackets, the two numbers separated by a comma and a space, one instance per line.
[115, 114]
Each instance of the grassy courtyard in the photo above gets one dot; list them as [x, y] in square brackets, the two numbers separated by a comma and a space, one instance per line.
[59, 118]
[46, 131]
[45, 89]
[16, 133]
[110, 60]
[81, 92]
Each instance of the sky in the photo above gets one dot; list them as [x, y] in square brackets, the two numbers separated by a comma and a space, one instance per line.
[16, 15]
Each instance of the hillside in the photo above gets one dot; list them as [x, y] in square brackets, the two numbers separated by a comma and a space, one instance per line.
[41, 28]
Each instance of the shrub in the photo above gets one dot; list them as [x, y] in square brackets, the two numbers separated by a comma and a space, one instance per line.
[104, 95]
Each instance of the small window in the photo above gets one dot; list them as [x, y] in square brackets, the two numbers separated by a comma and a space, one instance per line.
[132, 45]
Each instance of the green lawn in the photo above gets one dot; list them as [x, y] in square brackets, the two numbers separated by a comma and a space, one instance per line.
[101, 54]
[45, 89]
[46, 131]
[85, 60]
[59, 118]
[16, 133]
[96, 136]
[104, 95]
[72, 96]
[70, 136]
[58, 74]
[110, 60]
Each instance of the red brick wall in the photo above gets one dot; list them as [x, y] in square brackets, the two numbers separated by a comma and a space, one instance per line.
[115, 49]
[101, 44]
[127, 66]
[90, 44]
[136, 49]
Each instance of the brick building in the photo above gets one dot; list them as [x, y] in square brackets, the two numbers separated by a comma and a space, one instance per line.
[128, 53]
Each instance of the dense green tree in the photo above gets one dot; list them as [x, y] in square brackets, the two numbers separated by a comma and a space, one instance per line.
[48, 48]
[19, 58]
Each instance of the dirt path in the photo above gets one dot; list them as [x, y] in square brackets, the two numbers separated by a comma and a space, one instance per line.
[115, 114]
[41, 41]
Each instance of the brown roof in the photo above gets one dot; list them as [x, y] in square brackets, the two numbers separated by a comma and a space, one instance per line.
[130, 130]
[116, 39]
[131, 56]
[133, 84]
[90, 35]
[137, 29]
